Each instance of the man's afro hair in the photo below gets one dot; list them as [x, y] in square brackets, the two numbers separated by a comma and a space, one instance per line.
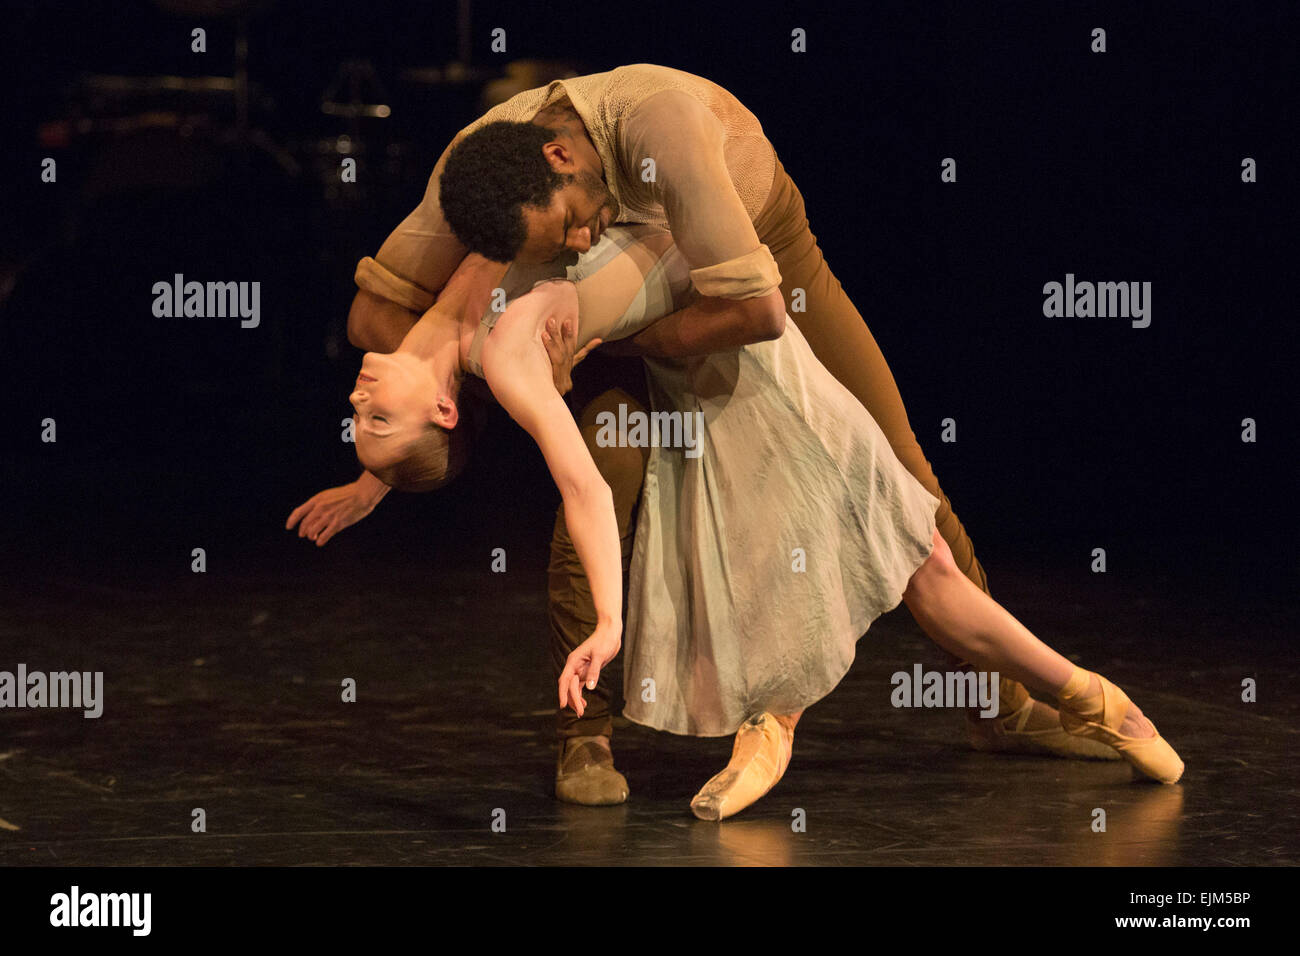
[489, 177]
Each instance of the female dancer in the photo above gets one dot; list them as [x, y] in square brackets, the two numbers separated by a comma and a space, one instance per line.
[762, 553]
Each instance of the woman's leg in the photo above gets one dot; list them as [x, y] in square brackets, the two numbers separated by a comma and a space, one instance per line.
[838, 336]
[840, 339]
[965, 621]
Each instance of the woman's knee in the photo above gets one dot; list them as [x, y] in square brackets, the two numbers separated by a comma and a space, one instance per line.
[938, 570]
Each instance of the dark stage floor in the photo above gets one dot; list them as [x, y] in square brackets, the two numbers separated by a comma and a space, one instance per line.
[222, 692]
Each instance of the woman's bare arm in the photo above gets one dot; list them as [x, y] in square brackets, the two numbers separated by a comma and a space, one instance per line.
[518, 371]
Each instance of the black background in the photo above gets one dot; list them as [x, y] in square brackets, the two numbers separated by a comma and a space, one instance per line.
[1073, 434]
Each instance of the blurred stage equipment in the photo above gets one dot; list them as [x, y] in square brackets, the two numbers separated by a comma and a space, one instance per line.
[187, 105]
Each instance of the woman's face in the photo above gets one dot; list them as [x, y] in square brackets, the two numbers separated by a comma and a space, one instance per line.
[394, 399]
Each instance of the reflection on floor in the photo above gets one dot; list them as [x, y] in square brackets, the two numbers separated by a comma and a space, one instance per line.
[223, 693]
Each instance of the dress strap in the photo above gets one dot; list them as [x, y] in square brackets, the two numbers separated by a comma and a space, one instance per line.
[473, 361]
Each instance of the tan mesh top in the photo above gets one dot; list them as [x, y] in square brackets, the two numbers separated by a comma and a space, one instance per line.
[713, 173]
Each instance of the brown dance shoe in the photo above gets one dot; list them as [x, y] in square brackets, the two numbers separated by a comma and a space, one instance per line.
[585, 774]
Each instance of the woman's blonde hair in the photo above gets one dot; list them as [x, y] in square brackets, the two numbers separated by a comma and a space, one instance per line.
[439, 454]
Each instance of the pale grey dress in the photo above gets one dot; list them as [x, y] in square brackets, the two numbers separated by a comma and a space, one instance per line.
[759, 564]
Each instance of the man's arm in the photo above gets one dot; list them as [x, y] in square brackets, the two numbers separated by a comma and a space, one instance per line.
[376, 324]
[712, 325]
[416, 260]
[736, 276]
[397, 286]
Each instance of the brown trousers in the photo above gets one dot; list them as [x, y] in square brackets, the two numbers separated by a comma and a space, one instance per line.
[841, 341]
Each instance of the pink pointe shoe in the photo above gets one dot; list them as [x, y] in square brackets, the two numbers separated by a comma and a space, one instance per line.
[1100, 717]
[758, 760]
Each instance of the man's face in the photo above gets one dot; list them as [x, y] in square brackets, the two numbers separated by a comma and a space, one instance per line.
[578, 216]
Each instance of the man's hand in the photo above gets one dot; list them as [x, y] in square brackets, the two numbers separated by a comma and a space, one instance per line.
[559, 336]
[326, 513]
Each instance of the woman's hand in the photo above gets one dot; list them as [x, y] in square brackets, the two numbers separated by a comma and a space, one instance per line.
[326, 513]
[584, 664]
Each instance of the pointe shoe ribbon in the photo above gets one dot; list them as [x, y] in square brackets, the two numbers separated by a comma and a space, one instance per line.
[759, 759]
[1011, 733]
[1100, 717]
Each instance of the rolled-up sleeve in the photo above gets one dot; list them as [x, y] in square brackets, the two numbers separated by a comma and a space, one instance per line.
[705, 214]
[419, 256]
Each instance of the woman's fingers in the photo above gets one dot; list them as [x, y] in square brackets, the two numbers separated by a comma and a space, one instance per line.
[297, 513]
[323, 526]
[580, 662]
[575, 696]
[568, 682]
[569, 685]
[318, 520]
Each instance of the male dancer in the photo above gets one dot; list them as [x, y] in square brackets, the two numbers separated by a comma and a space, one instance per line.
[541, 176]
